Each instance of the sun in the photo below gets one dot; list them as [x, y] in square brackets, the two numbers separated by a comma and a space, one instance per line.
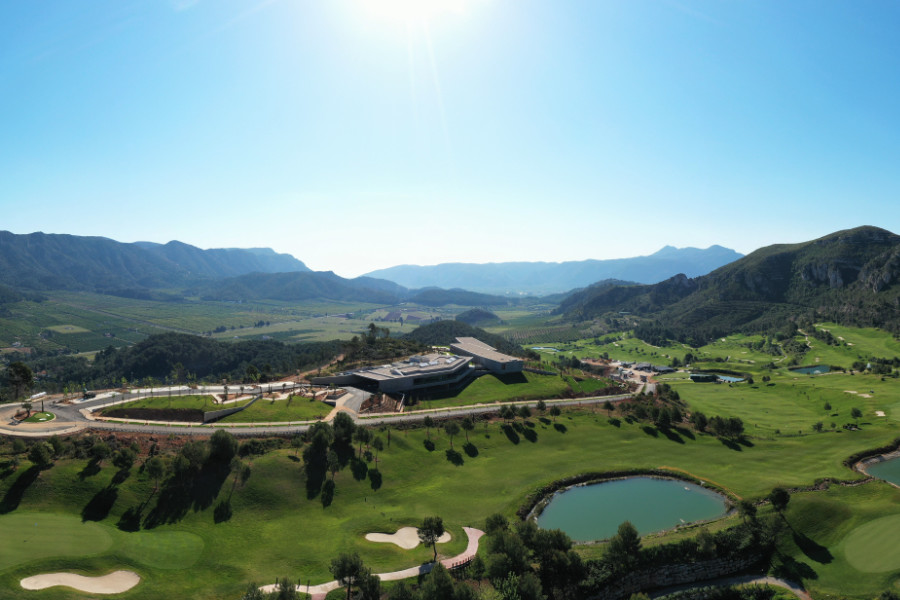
[413, 11]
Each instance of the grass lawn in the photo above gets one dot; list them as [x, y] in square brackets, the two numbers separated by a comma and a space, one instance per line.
[270, 411]
[202, 402]
[40, 417]
[514, 387]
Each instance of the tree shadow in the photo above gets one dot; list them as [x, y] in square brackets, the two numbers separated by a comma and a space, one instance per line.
[120, 476]
[470, 449]
[296, 459]
[99, 506]
[187, 492]
[90, 469]
[794, 570]
[375, 479]
[731, 444]
[651, 431]
[560, 427]
[511, 434]
[672, 435]
[14, 494]
[544, 420]
[812, 549]
[130, 519]
[429, 445]
[315, 477]
[222, 512]
[454, 457]
[327, 493]
[685, 432]
[359, 469]
[743, 441]
[530, 435]
[614, 422]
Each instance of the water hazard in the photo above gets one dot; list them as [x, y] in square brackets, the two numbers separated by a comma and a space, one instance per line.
[889, 470]
[815, 370]
[594, 512]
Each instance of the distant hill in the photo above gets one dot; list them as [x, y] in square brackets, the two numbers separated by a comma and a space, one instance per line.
[444, 333]
[217, 263]
[302, 286]
[549, 278]
[850, 277]
[440, 297]
[477, 316]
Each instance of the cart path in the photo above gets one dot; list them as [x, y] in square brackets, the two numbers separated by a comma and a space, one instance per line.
[318, 592]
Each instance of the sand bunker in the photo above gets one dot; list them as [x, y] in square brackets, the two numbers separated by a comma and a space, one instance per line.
[880, 413]
[114, 583]
[850, 392]
[406, 537]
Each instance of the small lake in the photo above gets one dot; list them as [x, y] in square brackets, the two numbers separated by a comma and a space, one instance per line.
[728, 379]
[814, 370]
[594, 512]
[544, 348]
[889, 470]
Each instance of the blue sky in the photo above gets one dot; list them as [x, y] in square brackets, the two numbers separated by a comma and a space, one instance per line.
[360, 134]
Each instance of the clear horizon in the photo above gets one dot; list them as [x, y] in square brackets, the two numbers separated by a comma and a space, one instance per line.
[358, 135]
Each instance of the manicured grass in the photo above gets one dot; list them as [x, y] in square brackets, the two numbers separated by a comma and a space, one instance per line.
[873, 547]
[201, 402]
[270, 411]
[514, 387]
[40, 417]
[68, 329]
[28, 536]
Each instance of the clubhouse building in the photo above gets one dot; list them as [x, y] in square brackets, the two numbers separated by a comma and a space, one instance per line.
[432, 372]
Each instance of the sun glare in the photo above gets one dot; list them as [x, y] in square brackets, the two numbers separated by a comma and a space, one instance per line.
[413, 10]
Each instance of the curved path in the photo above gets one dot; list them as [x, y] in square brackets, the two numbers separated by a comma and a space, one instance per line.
[318, 592]
[794, 588]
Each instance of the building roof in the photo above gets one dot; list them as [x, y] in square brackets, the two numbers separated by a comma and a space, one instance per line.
[426, 364]
[470, 345]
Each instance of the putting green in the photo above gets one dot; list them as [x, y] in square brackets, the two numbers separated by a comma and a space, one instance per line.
[40, 417]
[873, 548]
[163, 550]
[28, 536]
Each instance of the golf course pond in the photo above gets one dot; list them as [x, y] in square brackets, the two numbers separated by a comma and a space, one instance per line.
[889, 470]
[814, 370]
[595, 511]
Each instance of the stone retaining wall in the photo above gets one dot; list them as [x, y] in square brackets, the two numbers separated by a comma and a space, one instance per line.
[215, 415]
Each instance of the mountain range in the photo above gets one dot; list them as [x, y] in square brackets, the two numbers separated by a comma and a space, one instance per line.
[543, 278]
[850, 277]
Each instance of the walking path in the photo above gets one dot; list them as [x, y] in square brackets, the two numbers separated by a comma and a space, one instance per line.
[318, 592]
[739, 580]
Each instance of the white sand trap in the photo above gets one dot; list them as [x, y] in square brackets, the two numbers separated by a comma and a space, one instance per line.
[880, 413]
[865, 395]
[114, 583]
[406, 537]
[850, 392]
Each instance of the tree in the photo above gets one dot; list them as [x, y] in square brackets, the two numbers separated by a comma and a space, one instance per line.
[253, 593]
[379, 446]
[624, 549]
[699, 420]
[100, 452]
[347, 569]
[827, 406]
[27, 406]
[818, 426]
[430, 531]
[332, 463]
[41, 455]
[297, 443]
[124, 458]
[361, 436]
[222, 446]
[20, 378]
[428, 422]
[369, 586]
[468, 424]
[608, 406]
[451, 428]
[856, 414]
[524, 412]
[156, 469]
[438, 584]
[779, 497]
[285, 590]
[747, 510]
[555, 412]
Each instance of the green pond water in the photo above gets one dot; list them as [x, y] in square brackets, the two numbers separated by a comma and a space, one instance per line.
[889, 470]
[816, 370]
[594, 512]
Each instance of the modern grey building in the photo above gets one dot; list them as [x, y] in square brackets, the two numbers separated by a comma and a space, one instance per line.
[431, 372]
[486, 356]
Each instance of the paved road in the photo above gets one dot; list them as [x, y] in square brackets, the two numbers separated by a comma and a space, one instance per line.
[71, 417]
